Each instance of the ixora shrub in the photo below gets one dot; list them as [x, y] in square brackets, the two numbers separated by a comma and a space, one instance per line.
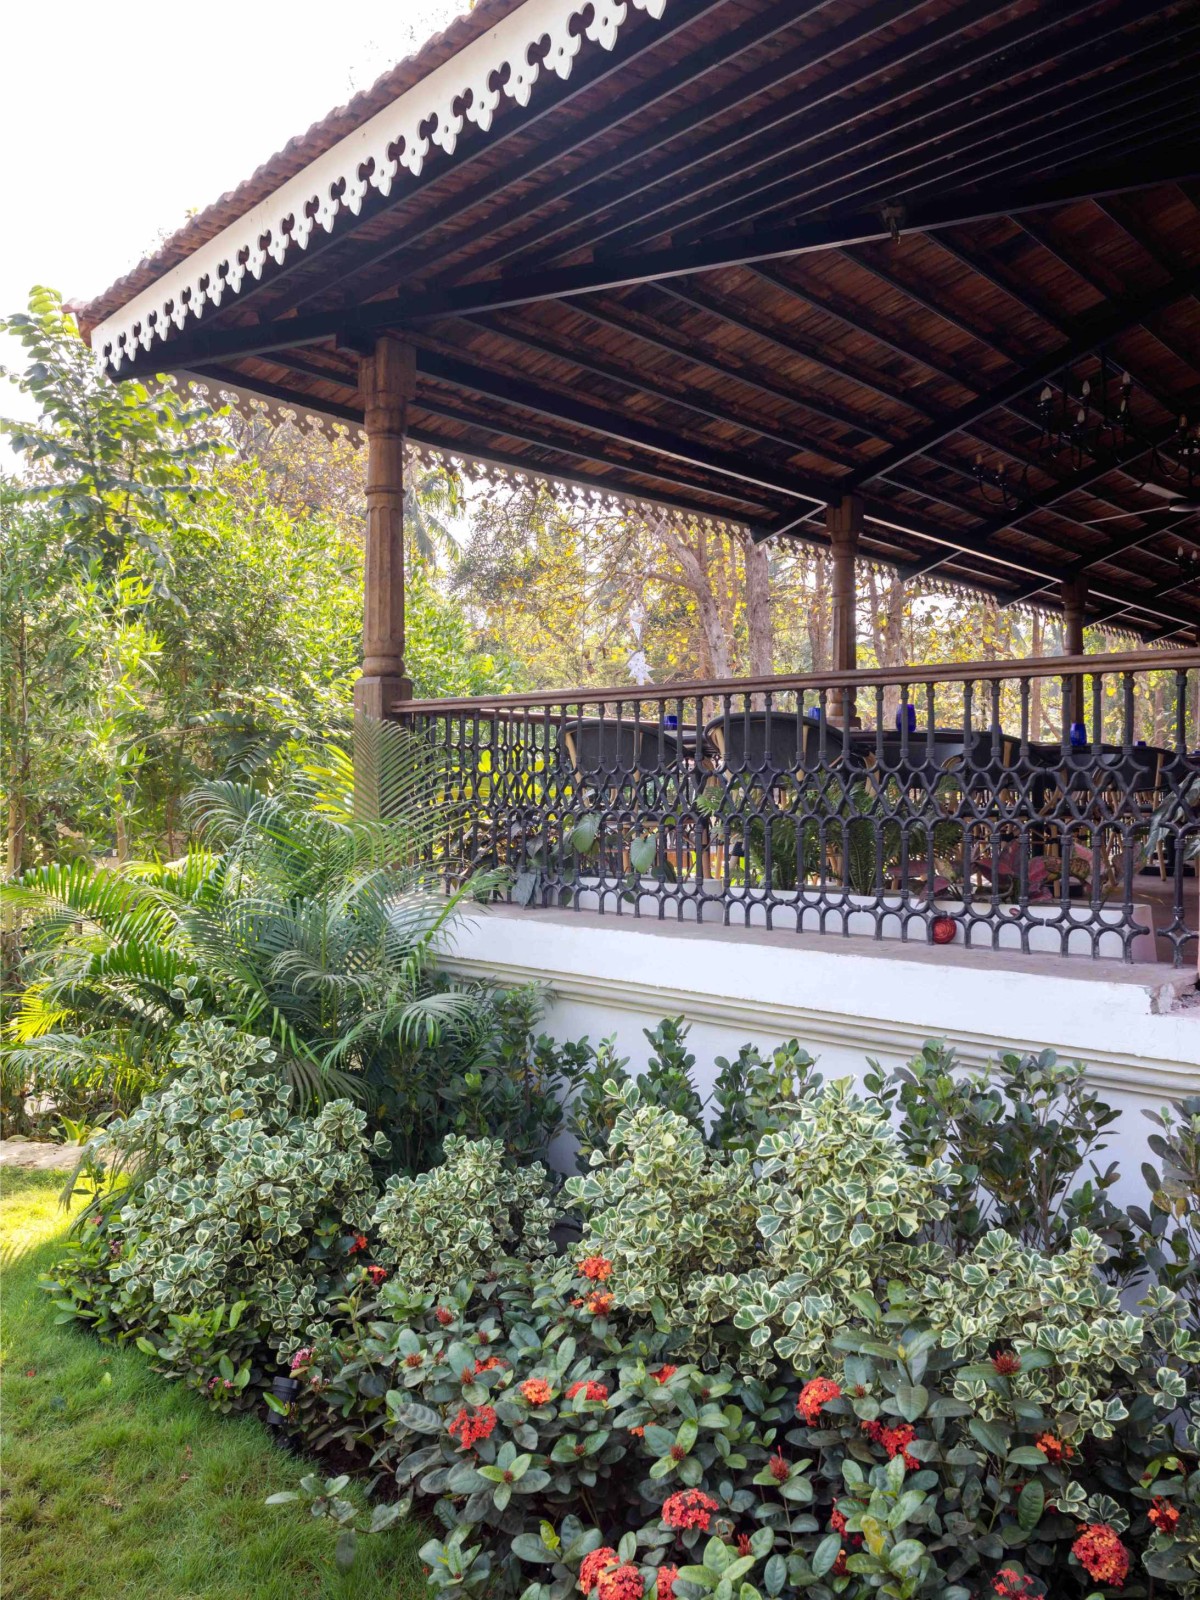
[457, 1219]
[875, 1413]
[785, 1358]
[238, 1220]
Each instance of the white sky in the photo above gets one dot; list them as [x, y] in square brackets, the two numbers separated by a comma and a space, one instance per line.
[118, 119]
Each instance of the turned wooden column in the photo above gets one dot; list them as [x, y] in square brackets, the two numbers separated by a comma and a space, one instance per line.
[1074, 593]
[387, 382]
[843, 521]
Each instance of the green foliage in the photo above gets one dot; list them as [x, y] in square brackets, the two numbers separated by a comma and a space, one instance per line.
[467, 1212]
[236, 1199]
[301, 924]
[115, 463]
[1170, 1225]
[668, 1211]
[1018, 1136]
[969, 1405]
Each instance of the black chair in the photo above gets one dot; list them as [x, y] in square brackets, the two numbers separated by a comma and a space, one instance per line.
[771, 745]
[611, 754]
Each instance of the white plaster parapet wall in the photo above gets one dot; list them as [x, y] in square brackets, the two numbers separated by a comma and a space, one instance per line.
[1136, 1027]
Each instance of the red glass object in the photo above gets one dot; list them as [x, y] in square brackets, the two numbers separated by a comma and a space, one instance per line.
[945, 929]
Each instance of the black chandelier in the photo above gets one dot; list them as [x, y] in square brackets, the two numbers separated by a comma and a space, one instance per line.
[1084, 420]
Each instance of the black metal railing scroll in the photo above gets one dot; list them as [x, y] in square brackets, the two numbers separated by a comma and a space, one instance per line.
[1050, 804]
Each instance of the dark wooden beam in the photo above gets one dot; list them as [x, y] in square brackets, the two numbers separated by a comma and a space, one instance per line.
[1009, 119]
[954, 539]
[198, 346]
[1118, 318]
[837, 101]
[688, 398]
[507, 390]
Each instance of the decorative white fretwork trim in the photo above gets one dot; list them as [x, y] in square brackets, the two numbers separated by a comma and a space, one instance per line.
[255, 407]
[507, 60]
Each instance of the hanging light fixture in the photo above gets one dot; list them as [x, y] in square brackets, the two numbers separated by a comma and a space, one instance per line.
[1083, 420]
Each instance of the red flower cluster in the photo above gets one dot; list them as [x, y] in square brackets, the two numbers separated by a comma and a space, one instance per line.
[779, 1468]
[536, 1391]
[414, 1360]
[597, 1268]
[664, 1588]
[638, 1433]
[839, 1568]
[743, 1544]
[490, 1364]
[444, 1317]
[590, 1389]
[301, 1359]
[376, 1275]
[1164, 1516]
[1006, 1363]
[468, 1427]
[360, 1243]
[894, 1440]
[663, 1373]
[594, 1564]
[1053, 1448]
[599, 1305]
[620, 1583]
[815, 1394]
[1013, 1585]
[690, 1508]
[837, 1521]
[1102, 1555]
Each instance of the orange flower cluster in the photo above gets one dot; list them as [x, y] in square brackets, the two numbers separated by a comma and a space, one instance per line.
[414, 1360]
[536, 1391]
[597, 1268]
[894, 1440]
[620, 1583]
[663, 1373]
[594, 1564]
[1013, 1585]
[490, 1364]
[664, 1588]
[1101, 1554]
[638, 1433]
[837, 1521]
[690, 1508]
[360, 1243]
[1006, 1363]
[815, 1394]
[468, 1427]
[599, 1305]
[1164, 1516]
[589, 1388]
[1053, 1448]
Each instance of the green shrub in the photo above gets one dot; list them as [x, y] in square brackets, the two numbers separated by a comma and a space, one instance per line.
[463, 1215]
[235, 1198]
[668, 1211]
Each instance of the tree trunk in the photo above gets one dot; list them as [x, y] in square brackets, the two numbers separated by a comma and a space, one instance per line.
[759, 628]
[818, 614]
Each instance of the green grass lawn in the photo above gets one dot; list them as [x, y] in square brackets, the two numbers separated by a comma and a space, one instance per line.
[118, 1485]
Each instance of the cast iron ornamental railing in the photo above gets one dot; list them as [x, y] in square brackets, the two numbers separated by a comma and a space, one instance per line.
[1048, 804]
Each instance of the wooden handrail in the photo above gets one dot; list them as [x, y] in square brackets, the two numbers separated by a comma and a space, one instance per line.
[947, 672]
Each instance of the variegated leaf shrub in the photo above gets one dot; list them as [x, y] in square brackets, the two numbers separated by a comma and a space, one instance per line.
[457, 1219]
[784, 1359]
[242, 1224]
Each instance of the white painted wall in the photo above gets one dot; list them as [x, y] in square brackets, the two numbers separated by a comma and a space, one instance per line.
[1136, 1027]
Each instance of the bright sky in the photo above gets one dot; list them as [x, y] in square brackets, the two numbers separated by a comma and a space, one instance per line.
[117, 120]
